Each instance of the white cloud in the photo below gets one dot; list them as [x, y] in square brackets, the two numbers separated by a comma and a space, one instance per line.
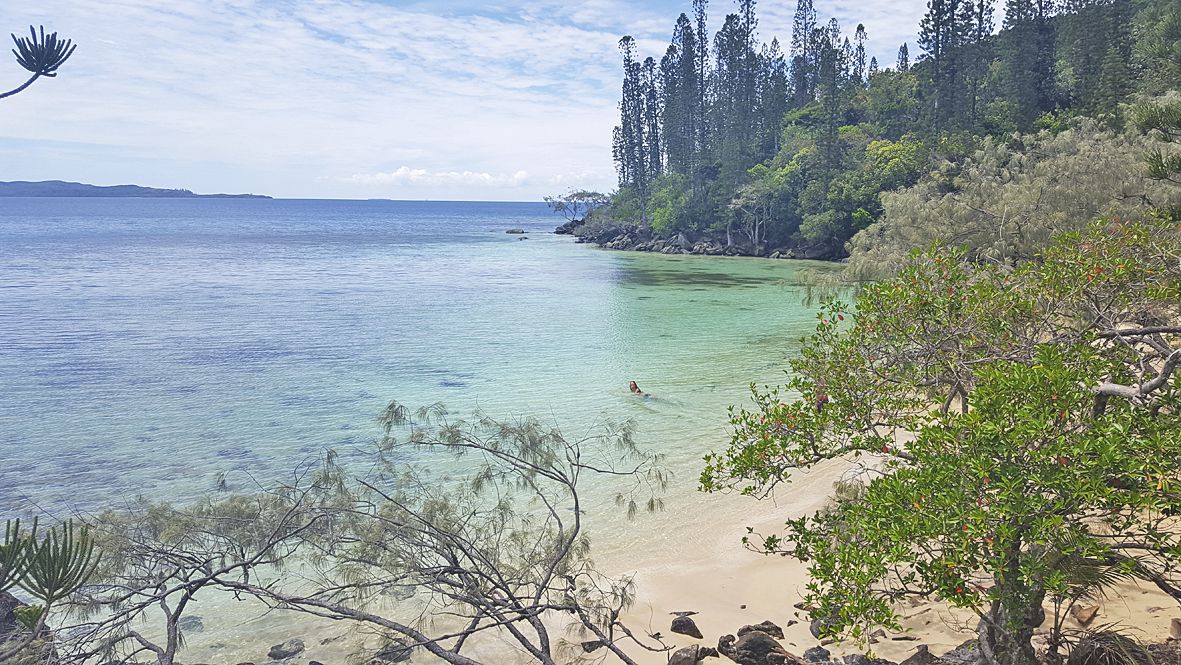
[422, 177]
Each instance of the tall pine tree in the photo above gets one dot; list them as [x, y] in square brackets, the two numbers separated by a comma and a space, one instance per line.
[1027, 56]
[943, 33]
[860, 65]
[773, 97]
[803, 57]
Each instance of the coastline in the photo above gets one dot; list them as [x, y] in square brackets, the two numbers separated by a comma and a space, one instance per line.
[631, 238]
[730, 587]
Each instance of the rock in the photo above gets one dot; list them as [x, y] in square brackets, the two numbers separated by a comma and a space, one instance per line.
[314, 662]
[1084, 615]
[692, 655]
[568, 228]
[905, 638]
[395, 651]
[523, 238]
[9, 626]
[817, 627]
[767, 627]
[289, 649]
[862, 659]
[967, 653]
[1175, 629]
[686, 626]
[817, 655]
[191, 624]
[515, 231]
[921, 657]
[40, 651]
[755, 648]
[684, 613]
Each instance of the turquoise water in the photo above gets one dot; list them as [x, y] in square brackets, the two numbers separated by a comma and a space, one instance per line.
[147, 345]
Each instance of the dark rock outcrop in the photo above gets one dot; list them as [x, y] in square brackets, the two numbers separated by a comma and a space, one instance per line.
[685, 625]
[767, 627]
[817, 627]
[191, 624]
[756, 648]
[12, 632]
[862, 659]
[692, 655]
[922, 657]
[568, 228]
[9, 626]
[395, 651]
[817, 655]
[289, 649]
[515, 231]
[967, 653]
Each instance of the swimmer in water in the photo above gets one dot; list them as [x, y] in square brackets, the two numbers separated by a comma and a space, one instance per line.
[635, 388]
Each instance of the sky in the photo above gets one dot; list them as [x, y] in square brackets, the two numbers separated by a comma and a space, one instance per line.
[444, 100]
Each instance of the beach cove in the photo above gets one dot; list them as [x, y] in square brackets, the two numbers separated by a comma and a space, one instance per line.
[213, 336]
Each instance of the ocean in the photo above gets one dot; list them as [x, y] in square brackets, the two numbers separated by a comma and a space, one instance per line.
[148, 345]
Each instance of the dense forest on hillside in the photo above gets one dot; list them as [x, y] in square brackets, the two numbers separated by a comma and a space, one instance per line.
[1002, 130]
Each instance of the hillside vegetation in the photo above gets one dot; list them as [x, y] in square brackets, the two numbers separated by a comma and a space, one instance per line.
[994, 136]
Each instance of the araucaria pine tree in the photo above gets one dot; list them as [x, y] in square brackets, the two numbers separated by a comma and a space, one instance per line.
[944, 31]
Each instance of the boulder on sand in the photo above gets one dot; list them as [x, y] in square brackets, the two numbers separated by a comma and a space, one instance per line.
[686, 626]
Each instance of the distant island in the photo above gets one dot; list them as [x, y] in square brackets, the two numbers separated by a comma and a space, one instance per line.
[61, 188]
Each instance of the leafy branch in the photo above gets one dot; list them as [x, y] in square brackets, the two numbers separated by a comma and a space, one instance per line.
[40, 54]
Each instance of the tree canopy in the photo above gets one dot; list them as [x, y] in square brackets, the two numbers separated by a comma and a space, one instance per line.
[1013, 432]
[720, 117]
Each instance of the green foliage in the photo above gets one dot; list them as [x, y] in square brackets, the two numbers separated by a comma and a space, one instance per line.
[576, 203]
[1108, 646]
[13, 554]
[1161, 120]
[41, 55]
[998, 203]
[669, 197]
[60, 563]
[1017, 432]
[51, 569]
[29, 615]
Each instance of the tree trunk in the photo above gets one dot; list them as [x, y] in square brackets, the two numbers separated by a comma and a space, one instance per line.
[1006, 632]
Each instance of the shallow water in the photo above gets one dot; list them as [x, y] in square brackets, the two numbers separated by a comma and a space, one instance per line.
[147, 345]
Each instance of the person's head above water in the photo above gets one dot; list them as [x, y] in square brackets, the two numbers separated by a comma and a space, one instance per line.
[633, 387]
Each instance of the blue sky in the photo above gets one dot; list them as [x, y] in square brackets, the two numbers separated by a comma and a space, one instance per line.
[504, 100]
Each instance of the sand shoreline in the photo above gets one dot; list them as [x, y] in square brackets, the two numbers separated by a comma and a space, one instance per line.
[700, 565]
[730, 587]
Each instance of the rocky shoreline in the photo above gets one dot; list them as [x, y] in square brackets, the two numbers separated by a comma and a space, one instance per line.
[759, 644]
[634, 239]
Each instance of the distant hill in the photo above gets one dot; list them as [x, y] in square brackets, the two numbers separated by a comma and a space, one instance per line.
[72, 189]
